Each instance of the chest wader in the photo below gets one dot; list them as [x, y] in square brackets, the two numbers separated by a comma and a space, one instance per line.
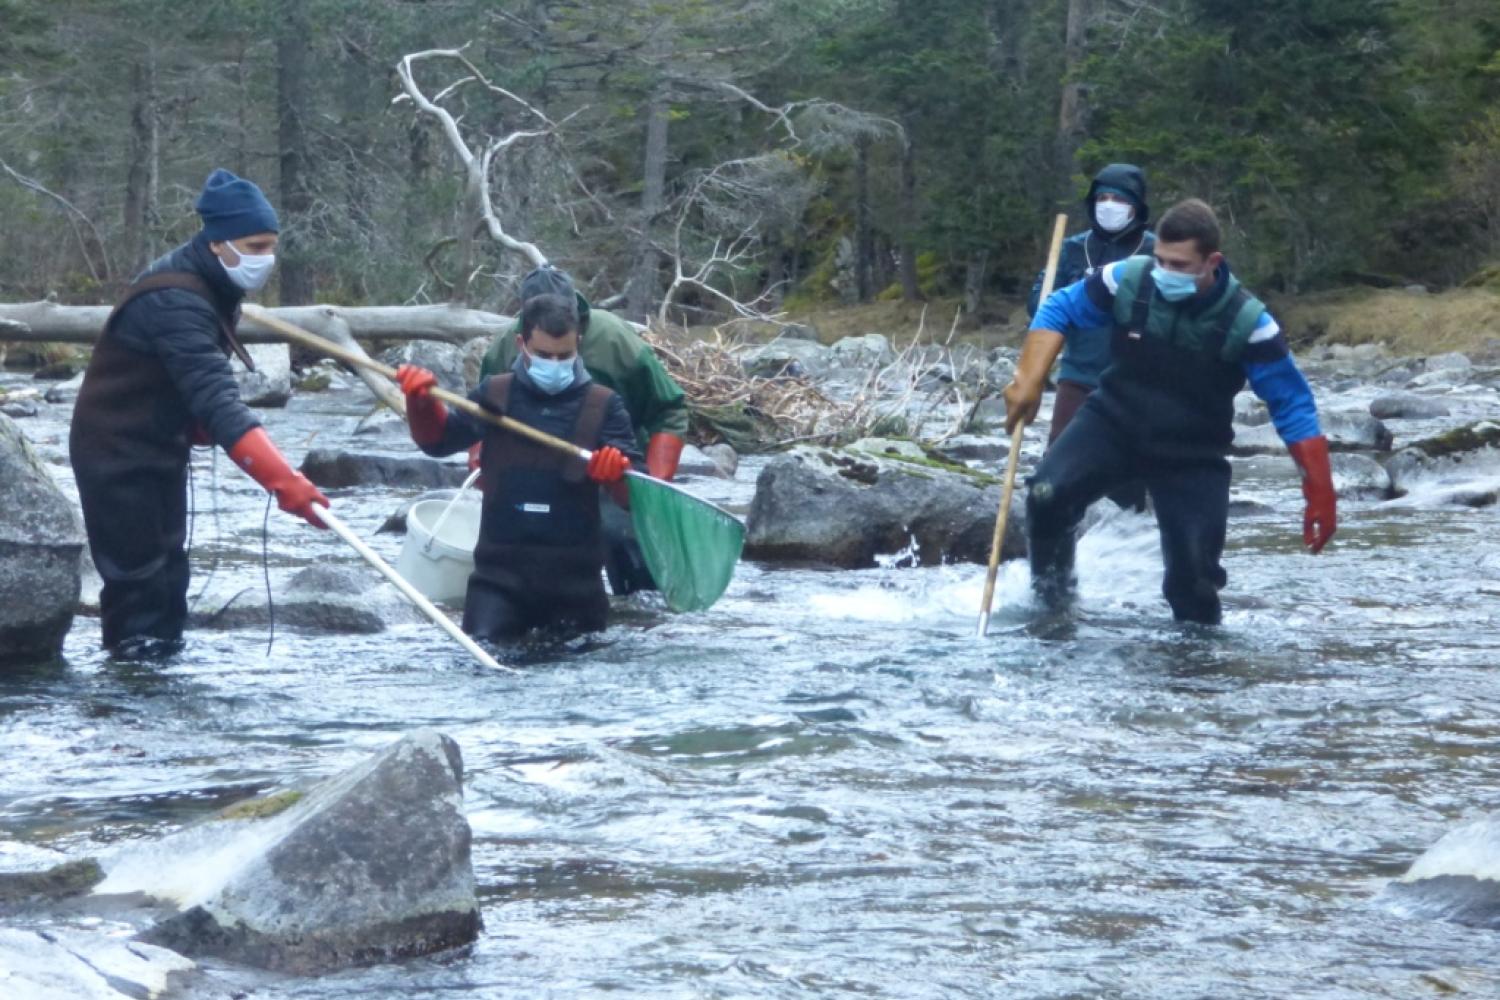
[541, 549]
[1163, 414]
[128, 445]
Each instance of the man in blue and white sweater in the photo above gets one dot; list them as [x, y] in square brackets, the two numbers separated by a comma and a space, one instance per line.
[1186, 338]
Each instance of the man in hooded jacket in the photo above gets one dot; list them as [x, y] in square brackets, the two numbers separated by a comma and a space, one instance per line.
[1118, 219]
[158, 382]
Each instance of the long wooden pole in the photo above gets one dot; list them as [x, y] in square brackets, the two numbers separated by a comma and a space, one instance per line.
[1059, 232]
[412, 594]
[338, 353]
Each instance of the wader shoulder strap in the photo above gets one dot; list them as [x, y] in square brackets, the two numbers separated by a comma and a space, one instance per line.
[188, 282]
[586, 430]
[497, 393]
[591, 416]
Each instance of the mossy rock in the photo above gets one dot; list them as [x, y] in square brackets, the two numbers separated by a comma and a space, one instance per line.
[263, 807]
[1461, 440]
[72, 878]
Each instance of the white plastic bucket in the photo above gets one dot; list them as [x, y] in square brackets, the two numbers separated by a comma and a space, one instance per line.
[439, 565]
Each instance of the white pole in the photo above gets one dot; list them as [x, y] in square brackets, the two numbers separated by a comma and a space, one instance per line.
[412, 594]
[443, 517]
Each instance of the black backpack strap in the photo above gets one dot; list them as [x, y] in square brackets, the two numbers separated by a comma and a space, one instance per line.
[1140, 309]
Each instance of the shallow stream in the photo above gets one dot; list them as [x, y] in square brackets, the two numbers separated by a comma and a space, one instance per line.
[826, 786]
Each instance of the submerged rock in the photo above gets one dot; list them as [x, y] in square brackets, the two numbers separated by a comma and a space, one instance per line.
[41, 541]
[271, 382]
[1345, 432]
[372, 866]
[341, 598]
[68, 964]
[844, 508]
[1359, 477]
[1461, 455]
[1456, 879]
[1406, 406]
[332, 469]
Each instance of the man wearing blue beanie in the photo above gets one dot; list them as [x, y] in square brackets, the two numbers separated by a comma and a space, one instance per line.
[159, 381]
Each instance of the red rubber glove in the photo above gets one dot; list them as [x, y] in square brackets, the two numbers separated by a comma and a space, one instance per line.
[426, 415]
[255, 453]
[662, 455]
[1320, 518]
[608, 465]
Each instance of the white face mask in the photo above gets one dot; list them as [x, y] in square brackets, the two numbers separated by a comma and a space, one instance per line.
[253, 270]
[1113, 216]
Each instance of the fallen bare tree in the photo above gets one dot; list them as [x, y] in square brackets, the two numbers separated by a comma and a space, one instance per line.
[48, 322]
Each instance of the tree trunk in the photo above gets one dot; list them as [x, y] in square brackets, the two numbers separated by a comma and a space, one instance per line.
[908, 249]
[864, 234]
[293, 103]
[975, 272]
[48, 322]
[142, 179]
[1071, 111]
[355, 97]
[642, 291]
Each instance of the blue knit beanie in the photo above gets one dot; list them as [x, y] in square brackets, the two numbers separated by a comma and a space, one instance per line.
[233, 207]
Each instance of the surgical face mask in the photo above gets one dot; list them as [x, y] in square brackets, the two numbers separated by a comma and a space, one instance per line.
[552, 377]
[253, 270]
[1175, 285]
[1113, 216]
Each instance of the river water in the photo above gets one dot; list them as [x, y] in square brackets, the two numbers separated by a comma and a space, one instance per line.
[826, 786]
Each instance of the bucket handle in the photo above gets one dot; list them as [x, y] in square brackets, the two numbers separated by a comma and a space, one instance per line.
[443, 517]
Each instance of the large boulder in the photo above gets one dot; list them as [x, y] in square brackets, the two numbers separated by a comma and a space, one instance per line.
[41, 542]
[1459, 456]
[786, 356]
[846, 507]
[1456, 879]
[372, 866]
[271, 382]
[870, 350]
[443, 359]
[333, 469]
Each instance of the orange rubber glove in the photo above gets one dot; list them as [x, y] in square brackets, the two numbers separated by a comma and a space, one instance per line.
[261, 460]
[663, 453]
[608, 465]
[1320, 518]
[426, 415]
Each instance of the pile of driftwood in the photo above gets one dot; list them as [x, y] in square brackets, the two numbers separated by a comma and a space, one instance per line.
[751, 413]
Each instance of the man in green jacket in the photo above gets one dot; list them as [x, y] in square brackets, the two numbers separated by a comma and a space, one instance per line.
[617, 358]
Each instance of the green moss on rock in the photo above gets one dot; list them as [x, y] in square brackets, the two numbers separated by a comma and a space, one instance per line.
[263, 807]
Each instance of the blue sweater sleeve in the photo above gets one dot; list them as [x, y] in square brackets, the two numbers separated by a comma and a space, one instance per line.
[1281, 384]
[1074, 308]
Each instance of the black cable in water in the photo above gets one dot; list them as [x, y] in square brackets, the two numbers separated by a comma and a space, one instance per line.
[265, 565]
